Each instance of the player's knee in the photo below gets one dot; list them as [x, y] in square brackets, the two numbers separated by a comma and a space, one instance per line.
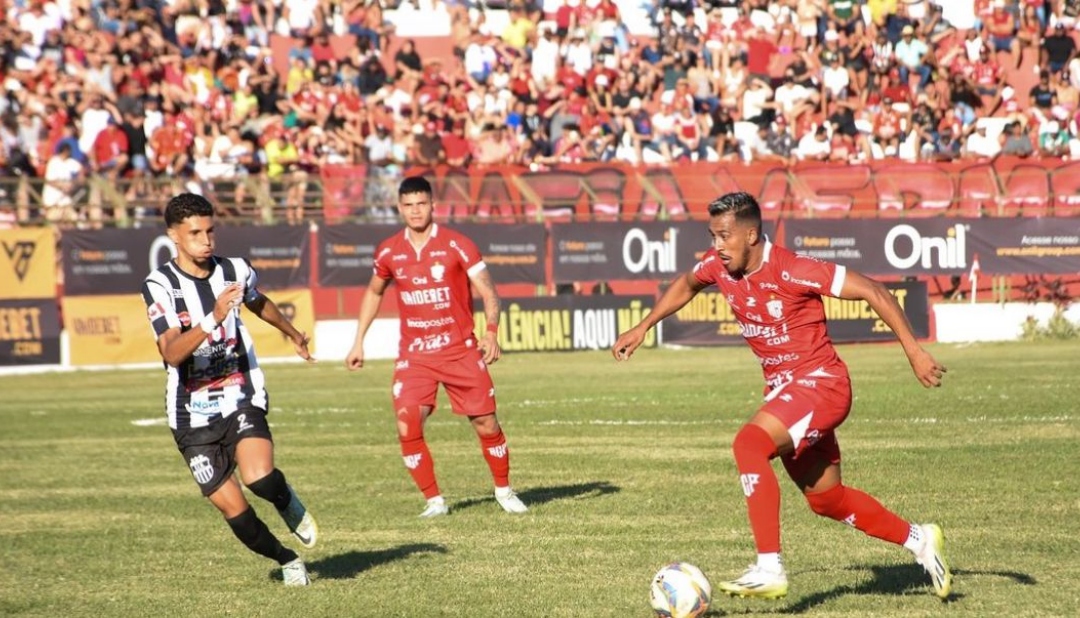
[752, 441]
[828, 503]
[270, 487]
[410, 421]
[486, 425]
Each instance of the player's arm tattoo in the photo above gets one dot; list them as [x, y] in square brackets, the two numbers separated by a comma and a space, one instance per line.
[486, 289]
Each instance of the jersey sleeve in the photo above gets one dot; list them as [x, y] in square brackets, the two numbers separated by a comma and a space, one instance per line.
[251, 281]
[160, 310]
[813, 276]
[471, 260]
[382, 262]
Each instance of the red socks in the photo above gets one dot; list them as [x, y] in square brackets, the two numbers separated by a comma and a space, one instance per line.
[414, 450]
[861, 511]
[753, 449]
[497, 456]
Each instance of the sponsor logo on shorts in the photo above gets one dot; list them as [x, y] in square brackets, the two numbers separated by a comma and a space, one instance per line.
[396, 389]
[806, 382]
[244, 424]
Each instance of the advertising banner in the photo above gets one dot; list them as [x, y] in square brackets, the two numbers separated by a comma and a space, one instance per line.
[941, 246]
[113, 330]
[27, 263]
[566, 322]
[115, 261]
[513, 253]
[29, 331]
[708, 319]
[618, 250]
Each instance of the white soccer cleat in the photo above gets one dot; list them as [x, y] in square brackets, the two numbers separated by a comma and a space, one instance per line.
[295, 573]
[509, 501]
[932, 558]
[300, 522]
[435, 507]
[757, 583]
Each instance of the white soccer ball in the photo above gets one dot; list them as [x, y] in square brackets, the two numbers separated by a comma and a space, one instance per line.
[680, 590]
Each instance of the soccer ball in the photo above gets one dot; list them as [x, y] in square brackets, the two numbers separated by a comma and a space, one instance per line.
[680, 590]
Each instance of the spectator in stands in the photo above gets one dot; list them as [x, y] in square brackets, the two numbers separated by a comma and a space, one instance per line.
[980, 145]
[288, 181]
[1016, 142]
[62, 182]
[1001, 26]
[814, 146]
[429, 145]
[1058, 49]
[911, 57]
[1053, 139]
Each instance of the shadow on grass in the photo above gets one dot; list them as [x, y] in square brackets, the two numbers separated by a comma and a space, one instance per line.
[350, 564]
[541, 495]
[896, 579]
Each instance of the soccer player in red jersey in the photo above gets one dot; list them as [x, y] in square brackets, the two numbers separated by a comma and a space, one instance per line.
[775, 295]
[432, 267]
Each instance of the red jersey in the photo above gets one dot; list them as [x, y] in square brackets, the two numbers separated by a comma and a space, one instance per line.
[434, 296]
[780, 312]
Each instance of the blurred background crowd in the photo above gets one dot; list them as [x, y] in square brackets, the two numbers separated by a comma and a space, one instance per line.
[143, 95]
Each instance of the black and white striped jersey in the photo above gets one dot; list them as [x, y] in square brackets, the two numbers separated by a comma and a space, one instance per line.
[223, 374]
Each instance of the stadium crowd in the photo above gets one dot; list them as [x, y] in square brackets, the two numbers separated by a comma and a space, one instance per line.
[137, 90]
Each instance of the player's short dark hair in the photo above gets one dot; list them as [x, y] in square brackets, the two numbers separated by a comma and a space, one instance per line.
[741, 204]
[186, 205]
[414, 184]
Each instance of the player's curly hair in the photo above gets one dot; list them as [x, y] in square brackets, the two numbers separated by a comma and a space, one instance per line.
[414, 184]
[741, 204]
[186, 205]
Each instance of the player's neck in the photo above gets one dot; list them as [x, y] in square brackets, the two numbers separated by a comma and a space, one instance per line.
[418, 238]
[199, 270]
[753, 263]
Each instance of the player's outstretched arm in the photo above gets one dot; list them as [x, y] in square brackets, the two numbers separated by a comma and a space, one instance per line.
[681, 291]
[369, 308]
[268, 311]
[485, 288]
[860, 287]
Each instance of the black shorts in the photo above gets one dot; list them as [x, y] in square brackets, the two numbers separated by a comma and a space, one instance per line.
[210, 451]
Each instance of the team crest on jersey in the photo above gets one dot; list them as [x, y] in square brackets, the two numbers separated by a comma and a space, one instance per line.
[437, 271]
[400, 273]
[775, 308]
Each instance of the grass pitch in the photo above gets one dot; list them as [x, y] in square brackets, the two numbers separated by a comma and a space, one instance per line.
[625, 467]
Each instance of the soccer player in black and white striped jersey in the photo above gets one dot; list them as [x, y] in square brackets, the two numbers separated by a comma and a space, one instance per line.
[215, 395]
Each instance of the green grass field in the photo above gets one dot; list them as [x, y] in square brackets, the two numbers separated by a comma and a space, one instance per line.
[625, 467]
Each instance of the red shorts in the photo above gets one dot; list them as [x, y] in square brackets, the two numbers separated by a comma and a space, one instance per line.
[812, 407]
[466, 380]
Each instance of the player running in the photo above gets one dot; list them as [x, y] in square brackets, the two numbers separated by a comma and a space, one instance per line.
[775, 295]
[432, 267]
[215, 392]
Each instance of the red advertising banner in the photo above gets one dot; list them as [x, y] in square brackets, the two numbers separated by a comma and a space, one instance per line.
[708, 320]
[941, 245]
[1005, 186]
[514, 253]
[115, 261]
[590, 251]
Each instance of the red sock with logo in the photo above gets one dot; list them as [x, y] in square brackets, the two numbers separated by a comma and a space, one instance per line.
[414, 451]
[753, 449]
[861, 511]
[497, 456]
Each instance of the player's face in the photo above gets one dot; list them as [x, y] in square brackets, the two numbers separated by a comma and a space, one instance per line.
[194, 239]
[416, 209]
[733, 242]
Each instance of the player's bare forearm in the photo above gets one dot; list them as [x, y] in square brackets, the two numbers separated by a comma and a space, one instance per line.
[860, 287]
[486, 289]
[268, 311]
[681, 291]
[176, 347]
